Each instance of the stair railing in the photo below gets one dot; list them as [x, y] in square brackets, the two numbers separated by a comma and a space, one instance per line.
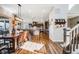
[73, 39]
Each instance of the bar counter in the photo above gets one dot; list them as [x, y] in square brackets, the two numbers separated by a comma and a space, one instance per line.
[13, 42]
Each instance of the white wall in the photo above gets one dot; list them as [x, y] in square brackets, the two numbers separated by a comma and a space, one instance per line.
[58, 12]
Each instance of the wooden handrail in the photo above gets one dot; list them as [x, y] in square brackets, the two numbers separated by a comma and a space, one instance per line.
[76, 26]
[73, 41]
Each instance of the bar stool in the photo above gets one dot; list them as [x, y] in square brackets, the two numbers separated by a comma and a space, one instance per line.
[9, 44]
[19, 40]
[3, 47]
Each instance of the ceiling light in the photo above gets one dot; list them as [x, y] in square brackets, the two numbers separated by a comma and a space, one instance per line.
[19, 5]
[70, 6]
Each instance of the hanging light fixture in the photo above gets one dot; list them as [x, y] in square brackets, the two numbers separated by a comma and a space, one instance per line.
[19, 15]
[19, 10]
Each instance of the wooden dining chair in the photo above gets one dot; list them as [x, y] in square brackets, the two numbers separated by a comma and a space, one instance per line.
[20, 40]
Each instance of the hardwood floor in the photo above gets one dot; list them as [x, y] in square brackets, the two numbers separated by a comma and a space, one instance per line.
[51, 47]
[55, 48]
[42, 38]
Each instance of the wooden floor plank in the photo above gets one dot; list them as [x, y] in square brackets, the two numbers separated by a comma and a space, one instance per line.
[51, 47]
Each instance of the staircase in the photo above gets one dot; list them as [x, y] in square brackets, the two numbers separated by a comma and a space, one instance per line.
[72, 44]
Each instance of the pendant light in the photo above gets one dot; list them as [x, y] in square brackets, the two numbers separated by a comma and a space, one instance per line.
[19, 10]
[19, 14]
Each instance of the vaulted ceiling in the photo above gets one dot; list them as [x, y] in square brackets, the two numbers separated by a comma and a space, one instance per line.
[35, 11]
[31, 11]
[74, 11]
